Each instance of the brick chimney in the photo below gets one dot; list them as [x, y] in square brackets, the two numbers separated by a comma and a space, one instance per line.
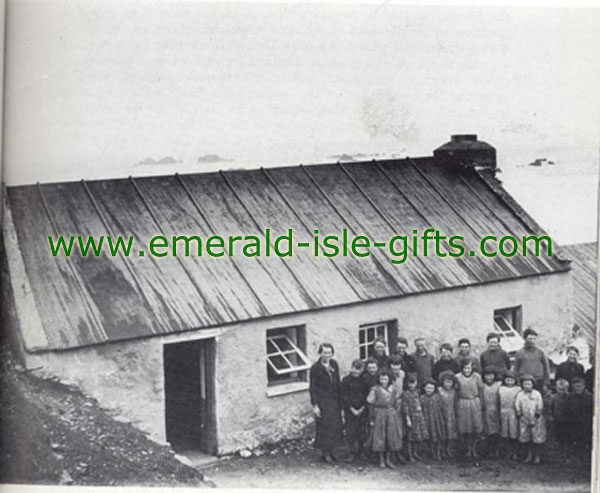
[466, 150]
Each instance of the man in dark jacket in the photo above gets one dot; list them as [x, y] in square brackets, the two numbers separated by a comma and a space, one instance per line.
[423, 361]
[464, 353]
[570, 368]
[531, 360]
[445, 363]
[408, 365]
[494, 356]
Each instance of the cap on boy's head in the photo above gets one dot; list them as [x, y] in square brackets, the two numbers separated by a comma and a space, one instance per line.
[526, 378]
[577, 380]
[419, 339]
[489, 369]
[429, 381]
[509, 374]
[562, 383]
[359, 364]
[447, 346]
[395, 360]
[446, 375]
[573, 348]
[492, 335]
[402, 340]
[529, 332]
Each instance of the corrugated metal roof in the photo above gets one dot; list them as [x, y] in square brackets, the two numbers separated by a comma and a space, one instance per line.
[91, 300]
[584, 258]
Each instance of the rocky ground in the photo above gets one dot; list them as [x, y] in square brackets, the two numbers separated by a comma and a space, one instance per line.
[53, 434]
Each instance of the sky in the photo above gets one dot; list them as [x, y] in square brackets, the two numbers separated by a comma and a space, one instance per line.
[103, 88]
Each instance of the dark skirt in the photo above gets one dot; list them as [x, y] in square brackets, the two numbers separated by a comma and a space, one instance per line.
[329, 425]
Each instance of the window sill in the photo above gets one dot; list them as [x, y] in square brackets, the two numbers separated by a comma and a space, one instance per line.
[286, 388]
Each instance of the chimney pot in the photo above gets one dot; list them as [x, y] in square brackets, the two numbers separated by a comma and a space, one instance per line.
[465, 150]
[463, 138]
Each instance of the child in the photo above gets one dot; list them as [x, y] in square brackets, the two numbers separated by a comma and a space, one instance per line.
[491, 411]
[532, 427]
[387, 432]
[560, 419]
[370, 378]
[370, 372]
[398, 375]
[434, 418]
[353, 396]
[449, 398]
[509, 424]
[470, 424]
[580, 409]
[415, 421]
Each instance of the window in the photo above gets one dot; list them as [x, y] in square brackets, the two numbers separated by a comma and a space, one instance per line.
[286, 358]
[507, 322]
[369, 332]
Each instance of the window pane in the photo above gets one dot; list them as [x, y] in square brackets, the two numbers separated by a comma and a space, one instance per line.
[503, 324]
[371, 334]
[271, 348]
[279, 362]
[284, 344]
[361, 336]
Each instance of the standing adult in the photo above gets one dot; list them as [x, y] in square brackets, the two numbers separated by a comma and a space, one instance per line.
[570, 368]
[423, 361]
[531, 360]
[464, 354]
[445, 363]
[494, 357]
[324, 391]
[408, 365]
[379, 352]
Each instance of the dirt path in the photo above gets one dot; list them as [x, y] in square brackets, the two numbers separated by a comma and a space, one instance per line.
[304, 470]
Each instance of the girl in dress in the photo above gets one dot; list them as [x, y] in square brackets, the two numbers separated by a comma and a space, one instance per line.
[532, 426]
[398, 375]
[470, 424]
[415, 421]
[385, 422]
[449, 398]
[491, 411]
[509, 424]
[434, 418]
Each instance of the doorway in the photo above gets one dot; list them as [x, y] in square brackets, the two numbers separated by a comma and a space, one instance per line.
[190, 416]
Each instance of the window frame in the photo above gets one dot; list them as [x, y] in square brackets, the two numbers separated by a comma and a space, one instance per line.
[295, 337]
[390, 335]
[513, 319]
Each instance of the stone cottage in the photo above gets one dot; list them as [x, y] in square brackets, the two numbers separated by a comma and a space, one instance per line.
[212, 353]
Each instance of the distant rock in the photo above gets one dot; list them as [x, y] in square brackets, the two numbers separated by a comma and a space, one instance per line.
[165, 160]
[538, 162]
[213, 158]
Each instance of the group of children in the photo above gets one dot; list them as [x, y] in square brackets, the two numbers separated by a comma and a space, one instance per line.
[387, 412]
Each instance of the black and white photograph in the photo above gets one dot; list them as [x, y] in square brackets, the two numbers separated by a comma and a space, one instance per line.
[317, 246]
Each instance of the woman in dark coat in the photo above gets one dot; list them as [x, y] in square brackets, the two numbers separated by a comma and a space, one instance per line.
[325, 399]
